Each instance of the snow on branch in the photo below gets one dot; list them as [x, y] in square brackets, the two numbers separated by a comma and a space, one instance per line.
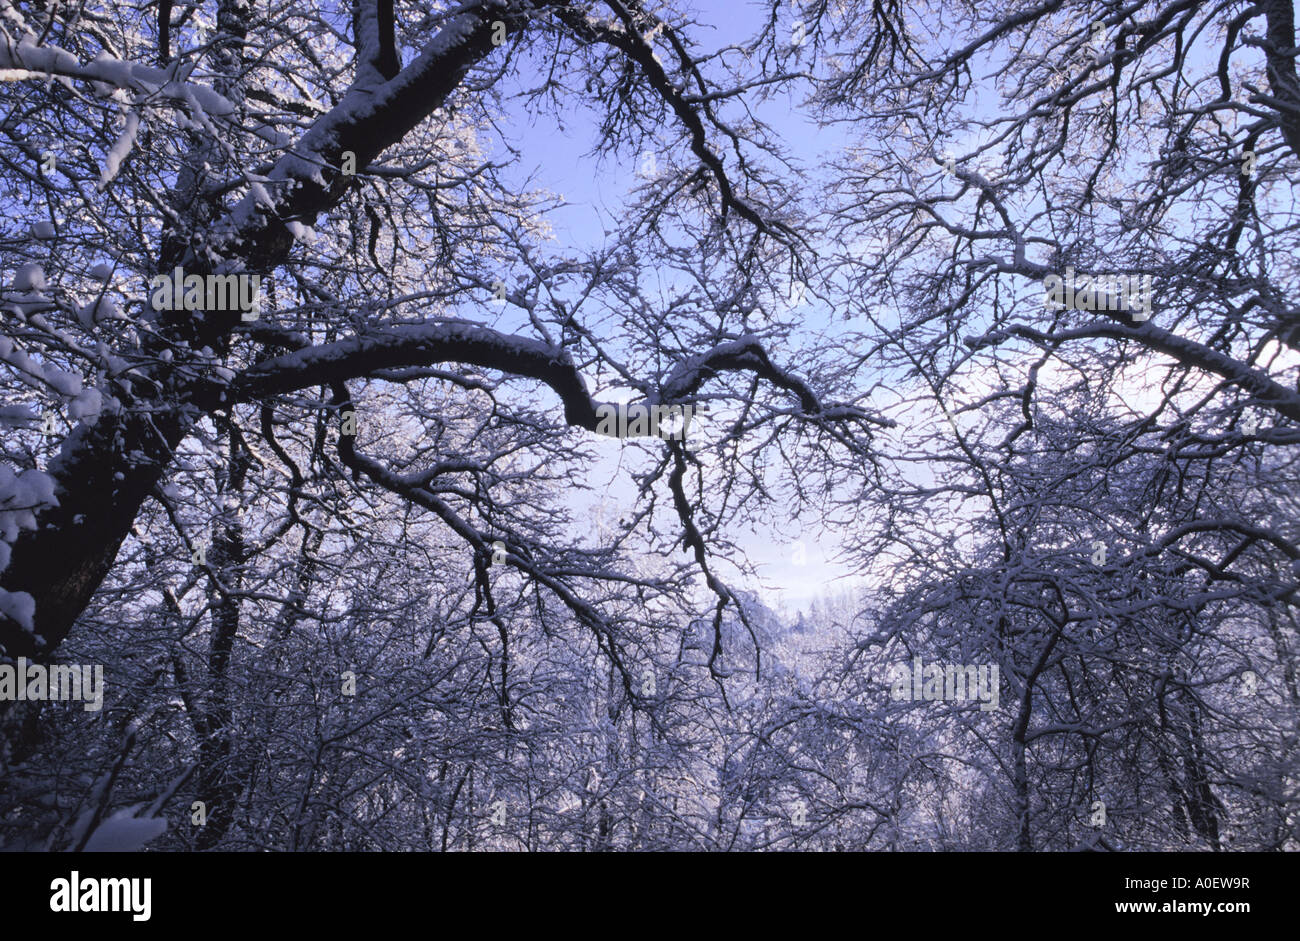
[372, 115]
[1187, 352]
[24, 60]
[414, 345]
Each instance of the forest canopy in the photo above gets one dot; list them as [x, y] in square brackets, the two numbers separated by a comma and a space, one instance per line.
[403, 501]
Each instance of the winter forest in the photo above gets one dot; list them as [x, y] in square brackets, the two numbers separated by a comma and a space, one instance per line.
[638, 425]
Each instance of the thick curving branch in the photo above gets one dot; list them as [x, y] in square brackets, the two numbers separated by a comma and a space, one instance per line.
[413, 345]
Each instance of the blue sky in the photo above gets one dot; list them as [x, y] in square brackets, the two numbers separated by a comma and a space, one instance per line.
[793, 560]
[596, 190]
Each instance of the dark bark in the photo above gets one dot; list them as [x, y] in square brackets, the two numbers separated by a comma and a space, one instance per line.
[217, 784]
[99, 487]
[1280, 52]
[164, 31]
